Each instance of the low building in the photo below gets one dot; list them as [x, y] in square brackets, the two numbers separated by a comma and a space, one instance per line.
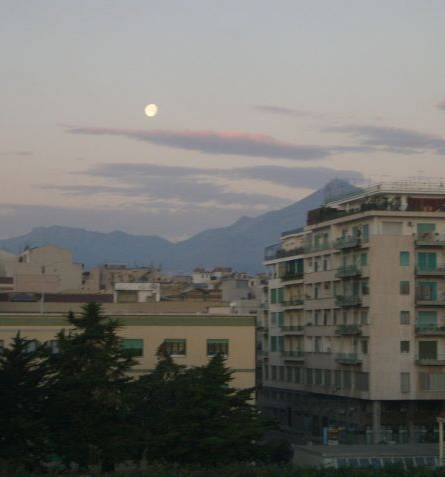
[47, 269]
[137, 292]
[191, 339]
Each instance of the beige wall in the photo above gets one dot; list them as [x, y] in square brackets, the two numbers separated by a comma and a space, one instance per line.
[241, 338]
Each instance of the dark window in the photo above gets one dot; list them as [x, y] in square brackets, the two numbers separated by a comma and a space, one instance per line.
[175, 347]
[219, 346]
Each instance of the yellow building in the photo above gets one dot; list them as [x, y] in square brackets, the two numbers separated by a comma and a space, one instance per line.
[191, 339]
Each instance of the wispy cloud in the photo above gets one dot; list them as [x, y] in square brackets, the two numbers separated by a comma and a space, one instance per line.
[304, 177]
[280, 110]
[16, 153]
[221, 143]
[399, 140]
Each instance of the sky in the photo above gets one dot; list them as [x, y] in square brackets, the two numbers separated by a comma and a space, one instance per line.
[260, 103]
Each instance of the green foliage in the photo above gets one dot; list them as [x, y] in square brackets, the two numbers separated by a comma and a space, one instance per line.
[23, 430]
[87, 411]
[246, 470]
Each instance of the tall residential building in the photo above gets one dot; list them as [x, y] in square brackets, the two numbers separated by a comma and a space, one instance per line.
[353, 340]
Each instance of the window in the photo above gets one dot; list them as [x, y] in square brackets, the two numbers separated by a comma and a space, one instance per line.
[274, 373]
[273, 344]
[54, 346]
[274, 318]
[273, 295]
[280, 316]
[362, 381]
[404, 346]
[280, 295]
[318, 377]
[347, 380]
[364, 317]
[427, 291]
[364, 346]
[297, 377]
[325, 264]
[281, 373]
[426, 319]
[31, 346]
[317, 289]
[363, 259]
[427, 261]
[281, 343]
[337, 379]
[175, 347]
[327, 377]
[365, 287]
[309, 376]
[266, 372]
[219, 346]
[289, 373]
[404, 382]
[317, 315]
[404, 259]
[404, 288]
[133, 347]
[318, 344]
[365, 232]
[404, 318]
[426, 228]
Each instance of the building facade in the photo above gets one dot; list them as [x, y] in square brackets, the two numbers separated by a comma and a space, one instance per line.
[191, 339]
[354, 335]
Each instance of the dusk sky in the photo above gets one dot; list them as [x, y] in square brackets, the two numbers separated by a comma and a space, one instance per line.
[260, 103]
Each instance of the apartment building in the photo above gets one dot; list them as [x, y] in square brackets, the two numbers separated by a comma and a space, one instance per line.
[353, 340]
[191, 339]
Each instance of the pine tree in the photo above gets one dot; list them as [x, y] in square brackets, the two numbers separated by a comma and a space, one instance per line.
[88, 401]
[193, 416]
[23, 379]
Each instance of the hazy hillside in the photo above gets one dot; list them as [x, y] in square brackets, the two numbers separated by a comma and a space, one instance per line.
[239, 245]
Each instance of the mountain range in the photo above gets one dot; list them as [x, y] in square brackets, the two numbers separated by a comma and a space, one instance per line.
[240, 245]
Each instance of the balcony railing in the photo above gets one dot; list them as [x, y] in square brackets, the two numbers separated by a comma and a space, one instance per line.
[293, 355]
[431, 360]
[425, 299]
[292, 276]
[293, 302]
[429, 330]
[292, 329]
[434, 272]
[348, 358]
[275, 251]
[347, 242]
[348, 300]
[430, 239]
[348, 330]
[262, 354]
[317, 247]
[348, 271]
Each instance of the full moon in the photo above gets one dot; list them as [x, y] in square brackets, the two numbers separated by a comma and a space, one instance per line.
[151, 110]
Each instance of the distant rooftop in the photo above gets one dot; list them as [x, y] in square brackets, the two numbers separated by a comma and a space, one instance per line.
[417, 187]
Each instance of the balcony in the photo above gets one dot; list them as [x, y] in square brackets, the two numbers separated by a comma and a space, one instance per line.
[428, 300]
[348, 330]
[263, 354]
[430, 239]
[431, 360]
[292, 330]
[346, 301]
[317, 247]
[293, 355]
[293, 302]
[429, 330]
[348, 272]
[347, 242]
[433, 272]
[292, 276]
[348, 358]
[273, 252]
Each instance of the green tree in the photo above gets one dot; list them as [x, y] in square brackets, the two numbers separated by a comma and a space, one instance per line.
[23, 380]
[194, 416]
[88, 406]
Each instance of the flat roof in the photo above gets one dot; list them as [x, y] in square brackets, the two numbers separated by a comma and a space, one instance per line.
[35, 319]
